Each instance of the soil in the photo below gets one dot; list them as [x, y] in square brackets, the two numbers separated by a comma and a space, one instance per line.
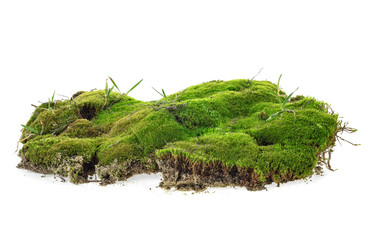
[182, 174]
[121, 171]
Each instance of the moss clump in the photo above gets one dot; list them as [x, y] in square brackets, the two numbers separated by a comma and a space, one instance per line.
[213, 134]
[72, 157]
[81, 128]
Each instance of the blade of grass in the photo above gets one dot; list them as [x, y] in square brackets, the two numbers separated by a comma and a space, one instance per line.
[273, 116]
[278, 89]
[157, 92]
[287, 98]
[278, 82]
[113, 82]
[110, 90]
[134, 86]
[106, 88]
[164, 94]
[278, 85]
[53, 96]
[30, 129]
[260, 70]
[250, 80]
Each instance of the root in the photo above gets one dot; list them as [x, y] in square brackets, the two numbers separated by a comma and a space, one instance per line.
[344, 128]
[324, 157]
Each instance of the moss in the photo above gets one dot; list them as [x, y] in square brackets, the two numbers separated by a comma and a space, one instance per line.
[137, 141]
[44, 151]
[212, 134]
[70, 157]
[81, 128]
[157, 129]
[125, 124]
[90, 103]
[121, 148]
[51, 120]
[208, 89]
[121, 107]
[230, 148]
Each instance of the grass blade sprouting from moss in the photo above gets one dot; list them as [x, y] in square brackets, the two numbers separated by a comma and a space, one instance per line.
[113, 82]
[278, 88]
[51, 100]
[278, 83]
[108, 91]
[164, 94]
[134, 86]
[53, 96]
[283, 104]
[287, 99]
[273, 116]
[33, 130]
[106, 88]
[250, 81]
[158, 92]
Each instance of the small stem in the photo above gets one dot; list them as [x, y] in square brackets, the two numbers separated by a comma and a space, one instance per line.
[104, 103]
[30, 135]
[354, 144]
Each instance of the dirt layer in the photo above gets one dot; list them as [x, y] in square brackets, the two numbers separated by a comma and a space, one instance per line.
[120, 172]
[28, 165]
[107, 174]
[183, 174]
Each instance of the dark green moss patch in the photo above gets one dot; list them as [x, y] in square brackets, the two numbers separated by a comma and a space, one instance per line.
[218, 133]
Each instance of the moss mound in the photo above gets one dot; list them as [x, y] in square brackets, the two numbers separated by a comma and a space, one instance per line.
[217, 133]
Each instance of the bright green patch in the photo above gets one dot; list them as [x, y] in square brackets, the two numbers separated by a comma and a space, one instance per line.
[50, 151]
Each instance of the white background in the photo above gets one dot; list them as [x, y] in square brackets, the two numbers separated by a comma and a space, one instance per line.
[318, 46]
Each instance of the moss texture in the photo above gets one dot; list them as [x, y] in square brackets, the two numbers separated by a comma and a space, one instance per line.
[211, 134]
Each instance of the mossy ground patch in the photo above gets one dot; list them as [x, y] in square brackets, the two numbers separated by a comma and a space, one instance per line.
[217, 133]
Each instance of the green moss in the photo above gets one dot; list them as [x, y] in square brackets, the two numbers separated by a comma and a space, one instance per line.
[157, 129]
[124, 125]
[61, 155]
[215, 122]
[125, 105]
[81, 128]
[121, 148]
[52, 120]
[93, 99]
[230, 148]
[45, 150]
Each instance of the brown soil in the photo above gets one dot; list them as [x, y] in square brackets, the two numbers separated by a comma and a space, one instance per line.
[119, 172]
[183, 174]
[108, 174]
[28, 165]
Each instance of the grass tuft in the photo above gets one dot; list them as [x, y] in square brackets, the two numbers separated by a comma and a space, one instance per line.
[272, 116]
[163, 94]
